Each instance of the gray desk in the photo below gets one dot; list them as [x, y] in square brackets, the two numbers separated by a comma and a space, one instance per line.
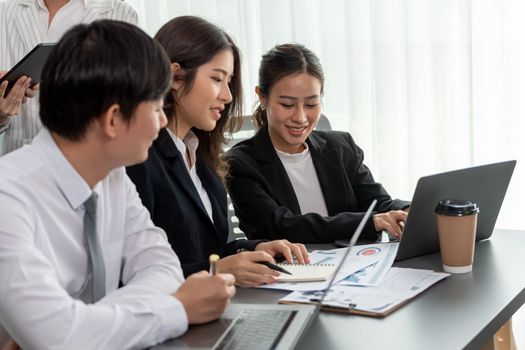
[462, 311]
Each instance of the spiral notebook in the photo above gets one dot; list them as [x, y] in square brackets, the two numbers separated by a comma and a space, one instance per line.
[306, 272]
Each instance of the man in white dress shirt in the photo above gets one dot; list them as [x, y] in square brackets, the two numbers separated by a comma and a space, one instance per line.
[24, 24]
[101, 108]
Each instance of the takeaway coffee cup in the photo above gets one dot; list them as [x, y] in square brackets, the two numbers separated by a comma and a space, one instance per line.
[456, 220]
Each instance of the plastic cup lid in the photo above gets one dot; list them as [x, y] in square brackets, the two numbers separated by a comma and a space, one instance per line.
[456, 207]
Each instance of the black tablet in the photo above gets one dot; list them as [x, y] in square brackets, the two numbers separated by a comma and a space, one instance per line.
[31, 65]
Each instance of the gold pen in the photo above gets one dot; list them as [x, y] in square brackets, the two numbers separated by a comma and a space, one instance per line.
[214, 269]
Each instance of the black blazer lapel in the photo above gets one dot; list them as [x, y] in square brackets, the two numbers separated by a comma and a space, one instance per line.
[217, 195]
[330, 172]
[273, 170]
[175, 164]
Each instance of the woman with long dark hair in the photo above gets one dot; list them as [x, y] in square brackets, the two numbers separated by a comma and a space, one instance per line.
[181, 182]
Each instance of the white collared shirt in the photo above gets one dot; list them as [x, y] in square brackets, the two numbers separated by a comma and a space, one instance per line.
[66, 17]
[189, 146]
[44, 261]
[301, 172]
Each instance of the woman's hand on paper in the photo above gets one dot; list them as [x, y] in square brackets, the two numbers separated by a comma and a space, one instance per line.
[286, 249]
[247, 270]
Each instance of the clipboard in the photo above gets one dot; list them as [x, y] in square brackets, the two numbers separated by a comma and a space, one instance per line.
[381, 309]
[31, 65]
[351, 309]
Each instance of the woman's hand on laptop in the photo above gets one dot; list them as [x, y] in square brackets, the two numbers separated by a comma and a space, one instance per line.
[392, 221]
[205, 297]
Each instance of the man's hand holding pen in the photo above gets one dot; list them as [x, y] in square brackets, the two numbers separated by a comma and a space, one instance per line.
[205, 296]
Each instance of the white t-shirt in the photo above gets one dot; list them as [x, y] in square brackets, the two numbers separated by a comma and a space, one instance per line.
[302, 174]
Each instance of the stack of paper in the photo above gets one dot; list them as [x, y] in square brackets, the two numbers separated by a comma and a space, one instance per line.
[367, 265]
[399, 286]
[367, 283]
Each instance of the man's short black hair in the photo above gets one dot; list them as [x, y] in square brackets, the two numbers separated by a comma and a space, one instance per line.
[95, 66]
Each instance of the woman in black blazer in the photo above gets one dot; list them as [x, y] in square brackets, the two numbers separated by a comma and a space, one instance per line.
[181, 182]
[292, 182]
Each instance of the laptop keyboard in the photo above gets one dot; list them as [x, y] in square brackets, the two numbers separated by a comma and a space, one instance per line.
[256, 329]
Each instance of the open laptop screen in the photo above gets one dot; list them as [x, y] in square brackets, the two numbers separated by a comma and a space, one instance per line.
[485, 185]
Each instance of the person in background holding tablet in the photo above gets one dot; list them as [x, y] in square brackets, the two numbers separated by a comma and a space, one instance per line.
[289, 181]
[23, 25]
[11, 102]
[181, 181]
[72, 226]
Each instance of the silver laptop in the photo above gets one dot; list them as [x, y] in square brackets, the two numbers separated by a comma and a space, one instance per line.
[258, 326]
[486, 185]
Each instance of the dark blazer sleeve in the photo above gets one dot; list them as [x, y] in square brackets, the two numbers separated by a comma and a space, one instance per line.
[142, 179]
[240, 245]
[168, 193]
[265, 201]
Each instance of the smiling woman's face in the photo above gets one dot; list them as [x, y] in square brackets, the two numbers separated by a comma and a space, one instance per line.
[201, 107]
[293, 109]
